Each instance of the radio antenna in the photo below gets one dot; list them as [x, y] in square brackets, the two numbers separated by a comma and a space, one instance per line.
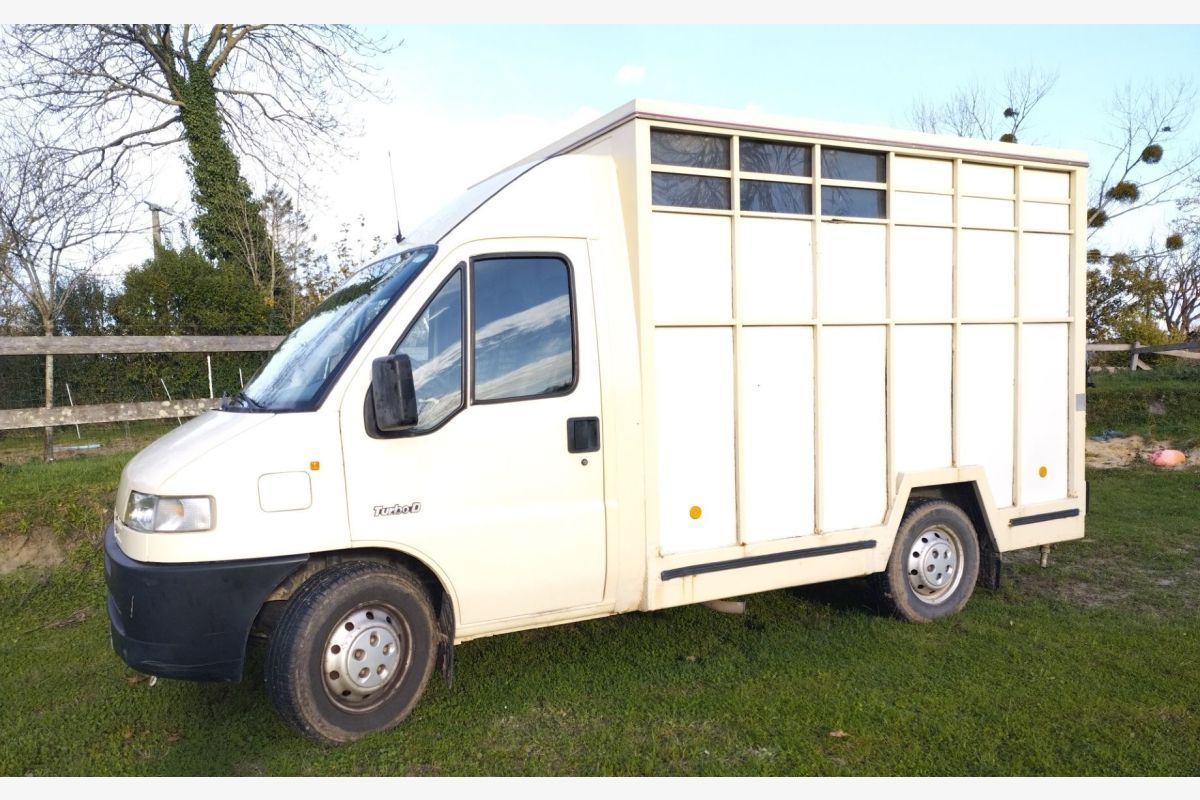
[395, 204]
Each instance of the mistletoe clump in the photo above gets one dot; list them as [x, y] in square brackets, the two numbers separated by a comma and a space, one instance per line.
[1124, 192]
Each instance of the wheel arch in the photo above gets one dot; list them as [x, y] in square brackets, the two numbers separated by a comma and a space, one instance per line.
[434, 581]
[965, 487]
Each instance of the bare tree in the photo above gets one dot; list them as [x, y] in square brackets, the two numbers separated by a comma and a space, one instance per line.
[267, 92]
[1146, 169]
[976, 112]
[294, 259]
[1178, 304]
[55, 226]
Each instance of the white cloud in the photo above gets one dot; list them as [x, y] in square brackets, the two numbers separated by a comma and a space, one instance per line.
[631, 73]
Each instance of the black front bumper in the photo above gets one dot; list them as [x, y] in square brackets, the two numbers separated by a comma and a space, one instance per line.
[187, 620]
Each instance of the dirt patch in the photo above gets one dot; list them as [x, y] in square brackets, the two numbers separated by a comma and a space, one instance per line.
[1126, 451]
[38, 548]
[1106, 581]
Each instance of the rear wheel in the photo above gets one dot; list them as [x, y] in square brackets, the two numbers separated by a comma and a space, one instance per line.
[352, 653]
[934, 563]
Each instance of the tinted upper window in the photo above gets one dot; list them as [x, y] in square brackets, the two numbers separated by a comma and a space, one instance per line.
[777, 158]
[689, 191]
[851, 165]
[780, 198]
[524, 333]
[689, 149]
[843, 201]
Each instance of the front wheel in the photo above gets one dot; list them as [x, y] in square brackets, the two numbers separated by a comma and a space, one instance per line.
[934, 563]
[352, 653]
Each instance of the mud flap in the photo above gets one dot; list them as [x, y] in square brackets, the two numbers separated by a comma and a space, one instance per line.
[446, 645]
[990, 562]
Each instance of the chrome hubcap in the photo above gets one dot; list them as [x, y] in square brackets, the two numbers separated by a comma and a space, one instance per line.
[933, 564]
[363, 655]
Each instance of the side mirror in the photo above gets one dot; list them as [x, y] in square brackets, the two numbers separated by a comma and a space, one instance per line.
[395, 397]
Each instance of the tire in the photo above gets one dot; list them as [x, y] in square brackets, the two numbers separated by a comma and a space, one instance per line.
[352, 653]
[934, 563]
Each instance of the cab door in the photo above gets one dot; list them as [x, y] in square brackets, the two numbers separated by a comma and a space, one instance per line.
[499, 487]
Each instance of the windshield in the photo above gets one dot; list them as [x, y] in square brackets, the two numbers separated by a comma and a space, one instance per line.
[300, 372]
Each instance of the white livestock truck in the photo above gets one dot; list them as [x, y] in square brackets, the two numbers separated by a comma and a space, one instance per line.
[679, 356]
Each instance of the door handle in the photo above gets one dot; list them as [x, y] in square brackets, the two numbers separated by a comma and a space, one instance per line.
[583, 434]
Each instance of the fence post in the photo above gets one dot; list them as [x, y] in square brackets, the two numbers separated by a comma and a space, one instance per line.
[1133, 355]
[71, 400]
[168, 391]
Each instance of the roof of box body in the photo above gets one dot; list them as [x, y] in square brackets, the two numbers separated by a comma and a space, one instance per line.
[768, 124]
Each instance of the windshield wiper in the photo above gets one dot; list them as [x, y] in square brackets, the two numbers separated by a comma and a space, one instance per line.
[241, 397]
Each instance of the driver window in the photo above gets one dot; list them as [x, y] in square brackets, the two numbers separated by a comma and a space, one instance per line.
[434, 345]
[524, 333]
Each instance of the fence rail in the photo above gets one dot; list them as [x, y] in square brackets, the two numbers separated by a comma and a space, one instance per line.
[14, 419]
[1185, 350]
[108, 412]
[96, 345]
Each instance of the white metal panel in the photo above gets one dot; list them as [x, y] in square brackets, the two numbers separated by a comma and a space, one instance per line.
[1045, 275]
[692, 267]
[985, 274]
[914, 207]
[222, 455]
[984, 389]
[1045, 216]
[985, 179]
[922, 275]
[985, 213]
[853, 430]
[774, 269]
[851, 262]
[1045, 185]
[920, 387]
[284, 491]
[776, 448]
[1043, 408]
[922, 174]
[694, 390]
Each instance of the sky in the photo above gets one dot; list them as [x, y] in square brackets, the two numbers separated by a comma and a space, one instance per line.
[471, 99]
[467, 100]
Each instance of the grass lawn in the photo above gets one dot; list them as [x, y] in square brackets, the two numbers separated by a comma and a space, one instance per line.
[26, 444]
[1162, 404]
[1089, 667]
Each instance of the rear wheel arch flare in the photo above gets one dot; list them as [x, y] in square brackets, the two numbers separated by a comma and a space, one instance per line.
[969, 498]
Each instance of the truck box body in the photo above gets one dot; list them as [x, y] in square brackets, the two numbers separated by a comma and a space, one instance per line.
[801, 373]
[680, 355]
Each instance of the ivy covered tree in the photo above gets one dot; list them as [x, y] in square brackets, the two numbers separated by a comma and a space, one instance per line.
[223, 92]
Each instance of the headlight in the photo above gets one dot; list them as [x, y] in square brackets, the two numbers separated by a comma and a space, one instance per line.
[148, 512]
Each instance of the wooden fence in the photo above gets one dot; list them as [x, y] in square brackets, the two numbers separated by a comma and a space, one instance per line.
[1185, 350]
[167, 409]
[103, 345]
